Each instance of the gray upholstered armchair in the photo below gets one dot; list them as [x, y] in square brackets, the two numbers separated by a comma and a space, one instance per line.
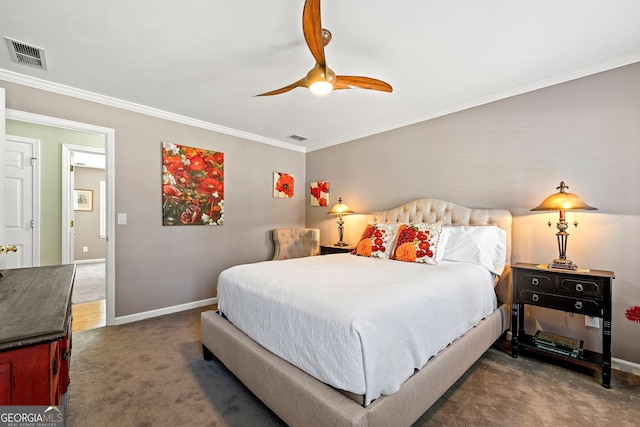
[295, 242]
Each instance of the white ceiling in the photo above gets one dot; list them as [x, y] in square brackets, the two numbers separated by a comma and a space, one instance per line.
[204, 60]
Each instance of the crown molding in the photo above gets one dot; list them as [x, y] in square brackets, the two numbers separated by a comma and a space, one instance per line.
[519, 90]
[154, 112]
[60, 89]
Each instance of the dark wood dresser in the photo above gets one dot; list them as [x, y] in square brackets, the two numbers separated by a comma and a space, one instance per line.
[35, 335]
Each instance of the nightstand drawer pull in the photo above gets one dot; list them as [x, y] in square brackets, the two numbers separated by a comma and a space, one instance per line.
[583, 287]
[579, 305]
[535, 281]
[535, 297]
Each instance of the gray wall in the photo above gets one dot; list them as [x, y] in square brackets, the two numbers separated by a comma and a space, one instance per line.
[86, 224]
[511, 154]
[156, 266]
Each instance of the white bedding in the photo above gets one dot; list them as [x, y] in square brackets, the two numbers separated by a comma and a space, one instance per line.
[358, 324]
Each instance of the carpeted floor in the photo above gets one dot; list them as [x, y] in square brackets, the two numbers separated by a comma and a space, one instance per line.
[89, 284]
[151, 373]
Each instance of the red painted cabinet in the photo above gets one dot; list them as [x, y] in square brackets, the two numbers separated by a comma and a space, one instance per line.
[35, 335]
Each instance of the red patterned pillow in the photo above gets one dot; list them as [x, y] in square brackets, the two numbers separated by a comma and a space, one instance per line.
[376, 241]
[418, 242]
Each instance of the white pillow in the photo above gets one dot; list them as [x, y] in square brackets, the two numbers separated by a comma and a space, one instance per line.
[442, 243]
[482, 245]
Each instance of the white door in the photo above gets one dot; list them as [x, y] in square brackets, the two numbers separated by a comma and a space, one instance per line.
[68, 206]
[20, 184]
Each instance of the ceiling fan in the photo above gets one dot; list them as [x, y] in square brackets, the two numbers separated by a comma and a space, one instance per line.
[321, 79]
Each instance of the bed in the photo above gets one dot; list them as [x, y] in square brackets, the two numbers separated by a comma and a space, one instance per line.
[302, 394]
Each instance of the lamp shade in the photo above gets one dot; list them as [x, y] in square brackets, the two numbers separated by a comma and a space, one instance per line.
[340, 209]
[563, 201]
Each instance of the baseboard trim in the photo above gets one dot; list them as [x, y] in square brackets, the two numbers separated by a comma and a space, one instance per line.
[617, 364]
[88, 261]
[121, 320]
[625, 366]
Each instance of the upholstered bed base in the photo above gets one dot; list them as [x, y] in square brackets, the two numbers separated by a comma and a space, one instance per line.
[301, 400]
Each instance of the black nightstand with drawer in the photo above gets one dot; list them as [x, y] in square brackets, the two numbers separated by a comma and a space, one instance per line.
[334, 249]
[587, 293]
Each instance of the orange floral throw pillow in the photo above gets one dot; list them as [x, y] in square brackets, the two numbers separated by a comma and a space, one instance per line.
[376, 241]
[418, 242]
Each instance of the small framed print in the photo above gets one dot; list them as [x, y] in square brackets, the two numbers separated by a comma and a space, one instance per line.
[83, 200]
[320, 193]
[283, 184]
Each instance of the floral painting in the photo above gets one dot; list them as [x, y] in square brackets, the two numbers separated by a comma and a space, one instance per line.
[320, 193]
[192, 186]
[283, 185]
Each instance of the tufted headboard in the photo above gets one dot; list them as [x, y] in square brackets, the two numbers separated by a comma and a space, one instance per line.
[430, 210]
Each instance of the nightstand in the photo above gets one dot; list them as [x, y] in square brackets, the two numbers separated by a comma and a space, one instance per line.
[333, 249]
[587, 293]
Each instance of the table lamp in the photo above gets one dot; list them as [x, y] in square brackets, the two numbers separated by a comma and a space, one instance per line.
[340, 209]
[562, 202]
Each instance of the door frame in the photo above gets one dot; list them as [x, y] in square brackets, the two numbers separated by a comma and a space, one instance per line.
[68, 256]
[3, 262]
[110, 139]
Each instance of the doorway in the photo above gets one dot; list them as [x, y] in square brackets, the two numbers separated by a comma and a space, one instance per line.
[108, 136]
[84, 240]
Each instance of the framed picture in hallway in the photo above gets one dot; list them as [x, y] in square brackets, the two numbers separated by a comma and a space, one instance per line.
[83, 200]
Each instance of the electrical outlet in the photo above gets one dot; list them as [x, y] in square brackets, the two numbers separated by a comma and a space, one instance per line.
[85, 249]
[592, 322]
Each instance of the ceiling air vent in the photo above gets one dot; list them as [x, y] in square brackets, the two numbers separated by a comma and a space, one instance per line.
[297, 138]
[25, 54]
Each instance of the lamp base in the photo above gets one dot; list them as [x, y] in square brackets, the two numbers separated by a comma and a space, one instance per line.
[563, 264]
[341, 243]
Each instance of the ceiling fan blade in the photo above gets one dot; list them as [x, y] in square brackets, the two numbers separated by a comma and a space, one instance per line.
[299, 83]
[357, 82]
[312, 29]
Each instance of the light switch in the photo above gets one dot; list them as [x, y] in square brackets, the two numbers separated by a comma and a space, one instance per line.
[122, 218]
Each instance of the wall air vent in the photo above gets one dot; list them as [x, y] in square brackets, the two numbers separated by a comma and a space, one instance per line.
[25, 54]
[297, 138]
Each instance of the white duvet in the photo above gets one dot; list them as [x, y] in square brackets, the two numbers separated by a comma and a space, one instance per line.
[358, 324]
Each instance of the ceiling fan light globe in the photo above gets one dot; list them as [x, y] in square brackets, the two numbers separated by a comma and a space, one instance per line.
[320, 80]
[321, 87]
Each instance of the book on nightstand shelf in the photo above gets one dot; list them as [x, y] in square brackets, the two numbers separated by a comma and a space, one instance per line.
[571, 347]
